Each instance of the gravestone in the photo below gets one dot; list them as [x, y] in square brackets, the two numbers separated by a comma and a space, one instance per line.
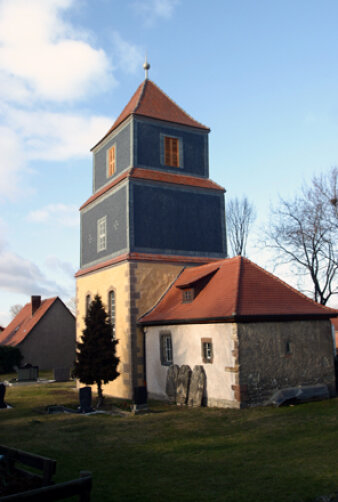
[85, 396]
[61, 374]
[196, 388]
[183, 382]
[171, 386]
[2, 396]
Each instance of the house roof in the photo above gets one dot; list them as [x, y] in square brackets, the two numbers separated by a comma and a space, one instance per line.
[150, 101]
[232, 289]
[24, 322]
[157, 176]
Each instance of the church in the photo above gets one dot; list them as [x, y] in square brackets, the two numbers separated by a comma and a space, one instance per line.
[154, 212]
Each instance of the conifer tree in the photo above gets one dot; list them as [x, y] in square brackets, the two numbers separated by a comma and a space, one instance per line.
[96, 361]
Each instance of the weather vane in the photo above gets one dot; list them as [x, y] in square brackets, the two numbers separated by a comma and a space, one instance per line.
[146, 66]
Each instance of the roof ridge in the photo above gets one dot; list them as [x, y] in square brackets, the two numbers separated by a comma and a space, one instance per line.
[140, 96]
[178, 106]
[238, 292]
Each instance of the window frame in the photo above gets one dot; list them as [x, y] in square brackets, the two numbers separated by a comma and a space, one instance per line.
[111, 163]
[207, 359]
[179, 152]
[188, 295]
[166, 349]
[101, 236]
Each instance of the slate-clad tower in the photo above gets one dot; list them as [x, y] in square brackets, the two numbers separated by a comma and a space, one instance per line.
[153, 211]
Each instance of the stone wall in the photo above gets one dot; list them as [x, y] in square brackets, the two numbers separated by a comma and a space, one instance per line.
[277, 355]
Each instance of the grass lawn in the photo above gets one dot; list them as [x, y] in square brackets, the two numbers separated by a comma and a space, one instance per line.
[181, 454]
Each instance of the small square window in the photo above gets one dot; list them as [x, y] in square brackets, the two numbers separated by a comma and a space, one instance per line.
[188, 295]
[207, 350]
[166, 349]
[102, 234]
[111, 161]
[171, 152]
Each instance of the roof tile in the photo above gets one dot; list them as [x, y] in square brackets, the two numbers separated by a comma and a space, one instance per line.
[150, 101]
[238, 289]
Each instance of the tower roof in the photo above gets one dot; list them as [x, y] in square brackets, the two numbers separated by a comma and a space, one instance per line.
[150, 101]
[233, 289]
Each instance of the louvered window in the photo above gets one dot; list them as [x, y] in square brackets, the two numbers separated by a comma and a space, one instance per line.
[111, 161]
[171, 152]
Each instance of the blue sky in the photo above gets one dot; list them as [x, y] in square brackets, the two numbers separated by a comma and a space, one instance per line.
[262, 75]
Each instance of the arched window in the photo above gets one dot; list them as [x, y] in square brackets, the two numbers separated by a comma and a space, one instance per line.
[87, 303]
[111, 304]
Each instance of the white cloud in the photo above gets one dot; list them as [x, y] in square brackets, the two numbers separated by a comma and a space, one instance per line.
[129, 56]
[12, 163]
[57, 265]
[20, 275]
[57, 136]
[61, 214]
[151, 10]
[49, 58]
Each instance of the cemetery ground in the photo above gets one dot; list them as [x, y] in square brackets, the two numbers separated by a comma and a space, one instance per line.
[171, 453]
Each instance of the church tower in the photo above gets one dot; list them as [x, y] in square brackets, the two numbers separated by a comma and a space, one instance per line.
[153, 211]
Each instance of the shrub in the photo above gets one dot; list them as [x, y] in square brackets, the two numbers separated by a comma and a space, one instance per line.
[9, 357]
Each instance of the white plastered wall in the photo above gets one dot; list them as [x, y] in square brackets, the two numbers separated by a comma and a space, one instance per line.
[186, 343]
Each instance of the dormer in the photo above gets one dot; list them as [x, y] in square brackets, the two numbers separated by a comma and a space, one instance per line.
[152, 132]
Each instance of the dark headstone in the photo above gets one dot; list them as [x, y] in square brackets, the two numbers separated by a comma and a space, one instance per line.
[197, 384]
[85, 395]
[140, 395]
[183, 382]
[61, 374]
[28, 372]
[2, 396]
[171, 386]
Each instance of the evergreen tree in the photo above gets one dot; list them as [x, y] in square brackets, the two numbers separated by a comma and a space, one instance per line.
[96, 361]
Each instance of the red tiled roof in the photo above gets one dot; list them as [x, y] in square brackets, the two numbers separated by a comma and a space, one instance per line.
[237, 289]
[24, 322]
[161, 176]
[150, 101]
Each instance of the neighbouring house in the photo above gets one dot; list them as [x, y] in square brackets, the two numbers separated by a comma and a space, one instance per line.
[335, 333]
[44, 331]
[253, 333]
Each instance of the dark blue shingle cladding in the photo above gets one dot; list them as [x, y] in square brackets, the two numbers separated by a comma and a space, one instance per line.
[122, 143]
[176, 220]
[149, 148]
[114, 208]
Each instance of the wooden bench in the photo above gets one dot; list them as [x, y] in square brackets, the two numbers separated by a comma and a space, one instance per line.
[81, 487]
[47, 490]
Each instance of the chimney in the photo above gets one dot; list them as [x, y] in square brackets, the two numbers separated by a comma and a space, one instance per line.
[36, 302]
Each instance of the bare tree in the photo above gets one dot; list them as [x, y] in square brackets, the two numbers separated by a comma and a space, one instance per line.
[240, 216]
[15, 309]
[304, 233]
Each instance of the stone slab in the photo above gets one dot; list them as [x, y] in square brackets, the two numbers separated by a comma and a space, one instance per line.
[171, 385]
[183, 383]
[197, 385]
